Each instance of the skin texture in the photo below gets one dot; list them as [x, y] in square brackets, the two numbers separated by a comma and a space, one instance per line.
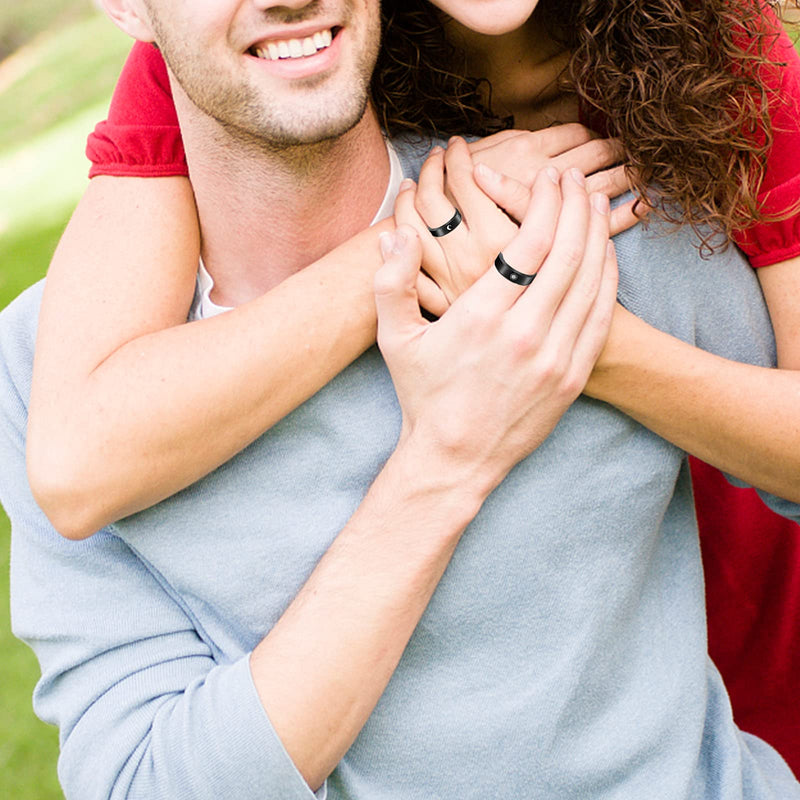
[247, 95]
[488, 17]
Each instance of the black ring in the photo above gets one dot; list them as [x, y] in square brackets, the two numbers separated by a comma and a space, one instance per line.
[448, 227]
[510, 274]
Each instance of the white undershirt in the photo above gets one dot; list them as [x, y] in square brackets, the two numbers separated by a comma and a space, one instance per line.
[204, 307]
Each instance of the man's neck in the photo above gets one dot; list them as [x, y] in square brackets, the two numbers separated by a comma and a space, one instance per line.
[265, 213]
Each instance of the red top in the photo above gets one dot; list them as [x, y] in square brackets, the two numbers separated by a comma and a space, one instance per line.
[751, 556]
[141, 137]
[752, 565]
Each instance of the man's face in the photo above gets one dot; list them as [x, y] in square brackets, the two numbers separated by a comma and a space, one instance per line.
[289, 73]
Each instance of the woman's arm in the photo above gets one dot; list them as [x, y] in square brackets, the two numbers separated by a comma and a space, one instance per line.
[742, 419]
[128, 404]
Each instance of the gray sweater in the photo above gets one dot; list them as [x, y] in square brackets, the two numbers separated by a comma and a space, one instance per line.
[563, 655]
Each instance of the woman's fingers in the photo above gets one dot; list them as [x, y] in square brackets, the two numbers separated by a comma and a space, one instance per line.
[612, 182]
[488, 142]
[469, 197]
[627, 215]
[547, 142]
[591, 157]
[561, 138]
[508, 193]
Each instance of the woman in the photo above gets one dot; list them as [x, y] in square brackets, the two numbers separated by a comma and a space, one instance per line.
[79, 421]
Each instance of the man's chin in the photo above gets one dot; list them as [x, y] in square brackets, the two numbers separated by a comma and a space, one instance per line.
[301, 134]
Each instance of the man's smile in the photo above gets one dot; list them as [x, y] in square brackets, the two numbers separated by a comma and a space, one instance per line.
[277, 49]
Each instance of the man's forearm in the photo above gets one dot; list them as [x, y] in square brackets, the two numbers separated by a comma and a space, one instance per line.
[474, 403]
[323, 667]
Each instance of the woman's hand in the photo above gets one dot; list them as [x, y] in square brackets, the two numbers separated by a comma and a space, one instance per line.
[456, 260]
[522, 154]
[488, 381]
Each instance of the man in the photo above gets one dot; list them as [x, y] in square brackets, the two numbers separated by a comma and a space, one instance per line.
[271, 631]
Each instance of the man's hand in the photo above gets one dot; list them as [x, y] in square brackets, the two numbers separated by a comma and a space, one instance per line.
[484, 385]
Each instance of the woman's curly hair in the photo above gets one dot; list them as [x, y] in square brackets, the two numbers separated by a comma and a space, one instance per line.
[420, 83]
[684, 84]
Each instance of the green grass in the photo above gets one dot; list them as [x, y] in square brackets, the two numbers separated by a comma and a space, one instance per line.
[41, 180]
[20, 21]
[57, 75]
[24, 256]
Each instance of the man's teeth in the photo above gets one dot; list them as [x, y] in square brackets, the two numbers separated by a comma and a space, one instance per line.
[296, 48]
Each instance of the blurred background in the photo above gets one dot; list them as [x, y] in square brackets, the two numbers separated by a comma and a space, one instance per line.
[59, 60]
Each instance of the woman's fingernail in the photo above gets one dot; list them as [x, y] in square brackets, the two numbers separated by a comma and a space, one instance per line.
[453, 140]
[577, 176]
[552, 173]
[610, 249]
[406, 184]
[436, 150]
[600, 203]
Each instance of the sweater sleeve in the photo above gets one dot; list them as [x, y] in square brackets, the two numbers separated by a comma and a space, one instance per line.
[141, 137]
[145, 704]
[773, 241]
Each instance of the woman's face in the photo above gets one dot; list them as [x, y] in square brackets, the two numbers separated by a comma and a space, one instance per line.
[491, 17]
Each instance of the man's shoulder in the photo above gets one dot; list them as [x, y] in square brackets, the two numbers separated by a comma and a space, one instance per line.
[713, 301]
[18, 324]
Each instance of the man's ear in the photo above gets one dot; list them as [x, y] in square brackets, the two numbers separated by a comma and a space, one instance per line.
[130, 16]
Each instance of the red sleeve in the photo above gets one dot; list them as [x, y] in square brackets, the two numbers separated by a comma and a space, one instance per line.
[141, 137]
[770, 242]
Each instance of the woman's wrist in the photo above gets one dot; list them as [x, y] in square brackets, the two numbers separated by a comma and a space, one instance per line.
[615, 354]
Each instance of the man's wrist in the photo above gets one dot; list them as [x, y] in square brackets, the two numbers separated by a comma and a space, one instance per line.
[452, 489]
